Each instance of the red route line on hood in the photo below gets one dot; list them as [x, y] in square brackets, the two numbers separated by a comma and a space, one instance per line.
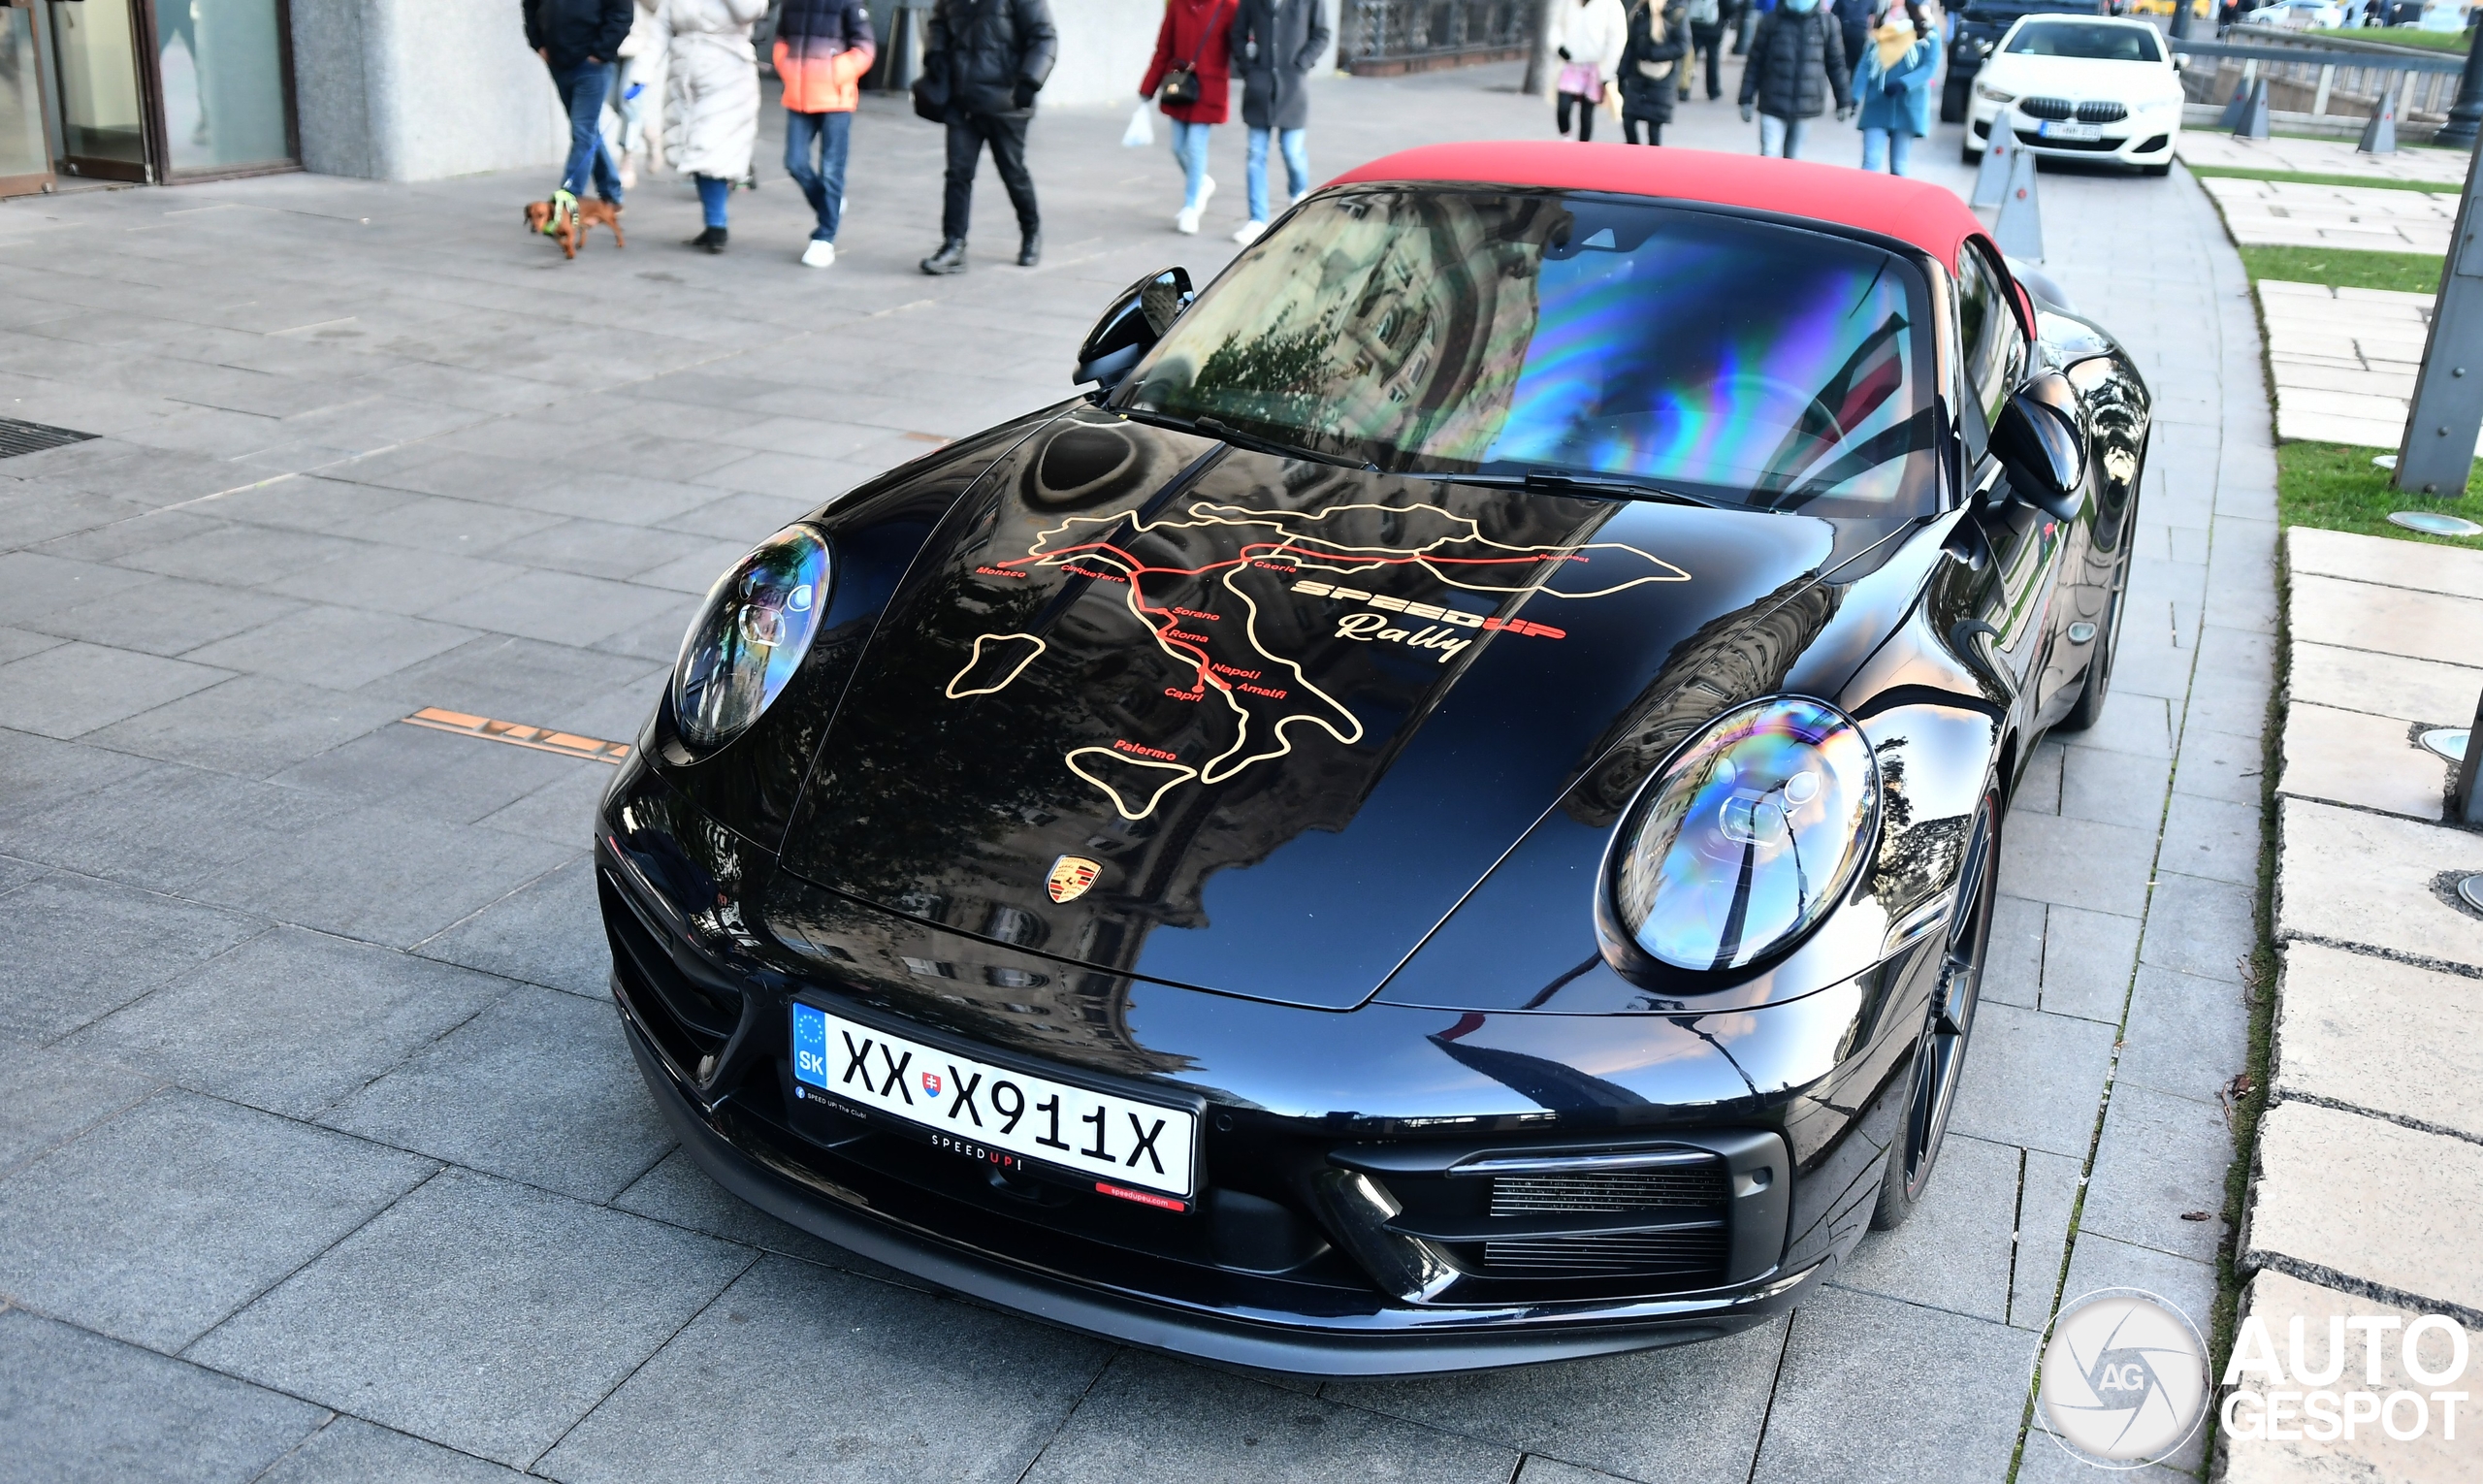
[1137, 569]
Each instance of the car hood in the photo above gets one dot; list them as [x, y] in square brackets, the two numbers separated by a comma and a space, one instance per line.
[1155, 705]
[2076, 78]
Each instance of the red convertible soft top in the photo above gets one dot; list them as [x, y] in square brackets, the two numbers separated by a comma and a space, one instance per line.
[1914, 211]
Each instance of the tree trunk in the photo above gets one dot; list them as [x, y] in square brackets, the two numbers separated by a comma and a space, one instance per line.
[1539, 70]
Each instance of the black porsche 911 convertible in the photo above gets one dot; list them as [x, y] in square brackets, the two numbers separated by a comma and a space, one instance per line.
[1443, 814]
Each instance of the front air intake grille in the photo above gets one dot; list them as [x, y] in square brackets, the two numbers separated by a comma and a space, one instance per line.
[24, 437]
[2045, 108]
[1647, 1254]
[2092, 146]
[1632, 1190]
[2101, 113]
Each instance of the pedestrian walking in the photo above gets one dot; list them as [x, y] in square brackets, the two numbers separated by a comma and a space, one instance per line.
[1588, 36]
[823, 49]
[1797, 64]
[1707, 21]
[1190, 78]
[1893, 82]
[986, 60]
[711, 99]
[635, 62]
[1657, 38]
[1276, 42]
[1852, 26]
[578, 41]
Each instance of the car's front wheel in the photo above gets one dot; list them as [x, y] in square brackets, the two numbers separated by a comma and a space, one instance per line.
[1952, 103]
[1940, 1056]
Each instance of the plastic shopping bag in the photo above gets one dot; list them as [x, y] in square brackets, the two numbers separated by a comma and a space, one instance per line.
[1140, 133]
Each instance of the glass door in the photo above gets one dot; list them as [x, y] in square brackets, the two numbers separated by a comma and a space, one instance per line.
[102, 117]
[221, 65]
[25, 162]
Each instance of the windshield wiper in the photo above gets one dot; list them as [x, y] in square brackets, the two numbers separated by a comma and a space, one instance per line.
[1558, 481]
[1218, 428]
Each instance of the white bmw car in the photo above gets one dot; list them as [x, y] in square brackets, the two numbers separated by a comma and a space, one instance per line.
[2081, 87]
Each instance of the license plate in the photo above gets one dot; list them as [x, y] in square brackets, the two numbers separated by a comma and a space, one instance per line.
[2052, 128]
[964, 1103]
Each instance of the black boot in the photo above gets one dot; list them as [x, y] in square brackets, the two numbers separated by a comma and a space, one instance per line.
[712, 239]
[1030, 248]
[950, 259]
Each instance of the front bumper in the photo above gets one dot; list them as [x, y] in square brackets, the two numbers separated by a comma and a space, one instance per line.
[1322, 1241]
[2143, 138]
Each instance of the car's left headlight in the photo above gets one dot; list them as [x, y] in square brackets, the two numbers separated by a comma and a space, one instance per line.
[750, 636]
[1749, 837]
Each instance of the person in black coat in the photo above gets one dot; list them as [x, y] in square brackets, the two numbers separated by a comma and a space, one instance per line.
[578, 41]
[1797, 62]
[1659, 39]
[1276, 42]
[991, 57]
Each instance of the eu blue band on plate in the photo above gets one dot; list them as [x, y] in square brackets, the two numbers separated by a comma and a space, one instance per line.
[810, 1045]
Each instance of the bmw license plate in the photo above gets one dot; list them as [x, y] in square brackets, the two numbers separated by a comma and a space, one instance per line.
[2055, 128]
[972, 1106]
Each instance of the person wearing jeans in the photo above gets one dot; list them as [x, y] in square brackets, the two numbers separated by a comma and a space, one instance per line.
[1276, 42]
[1195, 44]
[577, 40]
[1892, 81]
[1797, 64]
[823, 49]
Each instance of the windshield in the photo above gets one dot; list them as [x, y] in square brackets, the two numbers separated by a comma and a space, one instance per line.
[1467, 331]
[2090, 40]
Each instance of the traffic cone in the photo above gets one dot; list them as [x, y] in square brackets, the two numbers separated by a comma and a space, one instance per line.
[2379, 136]
[2237, 107]
[2019, 231]
[2254, 117]
[1991, 177]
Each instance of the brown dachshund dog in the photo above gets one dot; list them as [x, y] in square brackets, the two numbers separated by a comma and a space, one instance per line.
[572, 232]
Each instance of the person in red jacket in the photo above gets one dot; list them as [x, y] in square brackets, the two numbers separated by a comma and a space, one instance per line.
[1194, 55]
[823, 49]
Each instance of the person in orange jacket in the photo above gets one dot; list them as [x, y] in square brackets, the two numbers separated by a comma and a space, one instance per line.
[823, 49]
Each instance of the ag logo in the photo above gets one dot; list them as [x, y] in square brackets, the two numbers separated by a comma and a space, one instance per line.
[2124, 1378]
[1070, 876]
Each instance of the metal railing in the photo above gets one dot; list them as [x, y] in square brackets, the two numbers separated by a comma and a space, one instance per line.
[2321, 75]
[1385, 36]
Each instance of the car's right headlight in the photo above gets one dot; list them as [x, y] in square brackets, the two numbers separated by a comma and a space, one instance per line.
[1993, 95]
[750, 636]
[1749, 837]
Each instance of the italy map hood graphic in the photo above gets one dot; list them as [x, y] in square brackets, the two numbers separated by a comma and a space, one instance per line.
[1293, 712]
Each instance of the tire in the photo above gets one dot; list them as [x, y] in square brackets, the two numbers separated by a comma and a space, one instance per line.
[1940, 1054]
[2097, 686]
[2164, 169]
[1969, 153]
[1952, 105]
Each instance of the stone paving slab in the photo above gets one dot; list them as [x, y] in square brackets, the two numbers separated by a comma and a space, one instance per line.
[2280, 1301]
[2423, 567]
[2368, 761]
[2422, 691]
[2365, 218]
[2367, 1206]
[2424, 1067]
[2344, 360]
[2319, 157]
[2386, 620]
[2377, 883]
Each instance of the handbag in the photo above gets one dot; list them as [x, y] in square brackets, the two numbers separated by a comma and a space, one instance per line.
[931, 89]
[1181, 84]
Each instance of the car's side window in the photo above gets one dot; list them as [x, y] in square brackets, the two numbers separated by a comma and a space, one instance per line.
[1994, 344]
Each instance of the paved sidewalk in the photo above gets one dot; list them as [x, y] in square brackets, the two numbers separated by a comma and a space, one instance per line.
[320, 1155]
[2319, 156]
[2344, 360]
[2369, 1190]
[2362, 218]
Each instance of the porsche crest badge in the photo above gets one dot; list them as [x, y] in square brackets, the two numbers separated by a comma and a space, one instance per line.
[1070, 876]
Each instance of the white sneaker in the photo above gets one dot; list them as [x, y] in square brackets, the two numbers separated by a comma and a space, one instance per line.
[1248, 231]
[1186, 222]
[629, 173]
[818, 254]
[1207, 190]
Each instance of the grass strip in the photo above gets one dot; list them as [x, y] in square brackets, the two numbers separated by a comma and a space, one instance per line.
[2334, 487]
[2312, 178]
[2406, 272]
[2396, 36]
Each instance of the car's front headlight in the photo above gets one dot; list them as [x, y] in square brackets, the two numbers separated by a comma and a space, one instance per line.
[1749, 837]
[1993, 95]
[750, 636]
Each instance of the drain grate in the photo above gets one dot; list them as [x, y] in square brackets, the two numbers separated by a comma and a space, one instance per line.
[22, 438]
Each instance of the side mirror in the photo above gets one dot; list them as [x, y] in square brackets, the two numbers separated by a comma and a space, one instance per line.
[2037, 439]
[1132, 326]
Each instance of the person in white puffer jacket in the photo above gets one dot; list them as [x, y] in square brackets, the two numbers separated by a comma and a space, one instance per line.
[711, 97]
[1588, 36]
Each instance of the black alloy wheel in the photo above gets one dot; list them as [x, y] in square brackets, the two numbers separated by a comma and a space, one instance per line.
[2098, 684]
[1940, 1056]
